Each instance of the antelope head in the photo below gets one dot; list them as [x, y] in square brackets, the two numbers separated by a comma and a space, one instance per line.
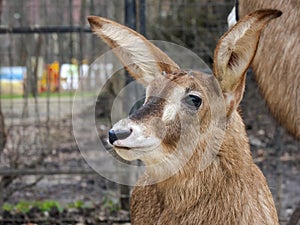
[182, 107]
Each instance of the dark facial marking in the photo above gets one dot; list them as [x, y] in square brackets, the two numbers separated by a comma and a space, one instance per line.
[152, 108]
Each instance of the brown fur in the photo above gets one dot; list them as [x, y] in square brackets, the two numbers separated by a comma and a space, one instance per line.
[277, 61]
[223, 194]
[231, 191]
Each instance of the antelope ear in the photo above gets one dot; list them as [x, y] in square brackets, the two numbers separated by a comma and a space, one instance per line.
[141, 58]
[234, 53]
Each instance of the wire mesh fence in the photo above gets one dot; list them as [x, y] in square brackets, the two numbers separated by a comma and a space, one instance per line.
[46, 49]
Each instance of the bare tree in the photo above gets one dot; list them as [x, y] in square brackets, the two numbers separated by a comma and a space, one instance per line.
[2, 124]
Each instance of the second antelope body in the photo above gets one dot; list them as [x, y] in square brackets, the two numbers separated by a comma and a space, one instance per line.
[210, 177]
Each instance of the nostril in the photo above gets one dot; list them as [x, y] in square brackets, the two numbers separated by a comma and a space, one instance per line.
[114, 135]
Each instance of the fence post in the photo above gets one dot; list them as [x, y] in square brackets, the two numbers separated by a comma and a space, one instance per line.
[142, 17]
[130, 14]
[130, 21]
[2, 144]
[1, 197]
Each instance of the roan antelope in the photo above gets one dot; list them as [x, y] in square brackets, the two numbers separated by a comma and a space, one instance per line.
[182, 112]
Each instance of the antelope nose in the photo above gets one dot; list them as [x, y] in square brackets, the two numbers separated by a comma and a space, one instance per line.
[114, 135]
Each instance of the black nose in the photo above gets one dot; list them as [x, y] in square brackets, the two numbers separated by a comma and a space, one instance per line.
[114, 135]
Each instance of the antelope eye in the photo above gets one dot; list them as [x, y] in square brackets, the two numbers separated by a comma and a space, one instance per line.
[193, 101]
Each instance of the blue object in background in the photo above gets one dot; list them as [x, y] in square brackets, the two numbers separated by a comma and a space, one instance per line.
[14, 73]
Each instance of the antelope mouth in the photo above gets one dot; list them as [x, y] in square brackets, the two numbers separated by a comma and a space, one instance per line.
[139, 150]
[133, 153]
[135, 148]
[122, 147]
[137, 143]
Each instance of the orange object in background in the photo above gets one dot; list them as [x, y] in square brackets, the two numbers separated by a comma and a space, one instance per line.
[51, 79]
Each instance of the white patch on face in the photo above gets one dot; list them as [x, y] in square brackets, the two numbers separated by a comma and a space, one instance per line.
[138, 143]
[170, 112]
[173, 104]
